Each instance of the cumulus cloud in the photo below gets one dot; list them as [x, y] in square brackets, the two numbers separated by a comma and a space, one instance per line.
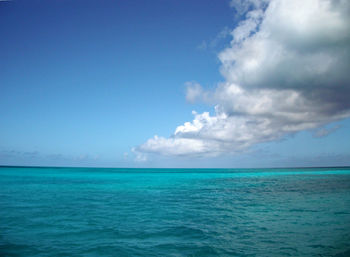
[286, 70]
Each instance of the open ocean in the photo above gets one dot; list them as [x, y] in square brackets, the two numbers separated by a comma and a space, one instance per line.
[174, 212]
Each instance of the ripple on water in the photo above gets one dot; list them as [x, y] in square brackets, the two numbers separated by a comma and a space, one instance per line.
[87, 213]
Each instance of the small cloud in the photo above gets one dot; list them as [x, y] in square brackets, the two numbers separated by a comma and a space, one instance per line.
[193, 91]
[125, 156]
[242, 7]
[323, 132]
[140, 157]
[202, 46]
[214, 42]
[224, 33]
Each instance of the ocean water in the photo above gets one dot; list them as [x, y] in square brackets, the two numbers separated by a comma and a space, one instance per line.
[169, 212]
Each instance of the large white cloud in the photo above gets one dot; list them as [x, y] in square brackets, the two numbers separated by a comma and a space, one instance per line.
[286, 70]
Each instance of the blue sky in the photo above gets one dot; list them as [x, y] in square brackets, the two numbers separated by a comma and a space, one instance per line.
[89, 83]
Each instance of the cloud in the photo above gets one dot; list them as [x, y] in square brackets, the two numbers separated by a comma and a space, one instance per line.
[139, 155]
[286, 70]
[242, 7]
[194, 91]
[323, 132]
[216, 41]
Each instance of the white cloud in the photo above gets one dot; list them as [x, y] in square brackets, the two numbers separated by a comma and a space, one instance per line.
[286, 70]
[194, 91]
[139, 155]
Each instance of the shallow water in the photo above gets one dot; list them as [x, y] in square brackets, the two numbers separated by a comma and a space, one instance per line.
[145, 212]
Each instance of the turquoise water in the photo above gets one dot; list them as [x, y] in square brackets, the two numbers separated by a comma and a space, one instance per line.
[145, 212]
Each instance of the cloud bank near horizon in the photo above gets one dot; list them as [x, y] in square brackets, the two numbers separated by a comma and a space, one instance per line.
[286, 70]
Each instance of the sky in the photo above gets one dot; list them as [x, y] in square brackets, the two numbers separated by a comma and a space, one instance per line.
[165, 83]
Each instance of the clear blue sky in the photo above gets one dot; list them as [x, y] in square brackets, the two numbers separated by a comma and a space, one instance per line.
[84, 82]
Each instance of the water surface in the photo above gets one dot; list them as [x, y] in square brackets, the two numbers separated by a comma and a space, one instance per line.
[174, 212]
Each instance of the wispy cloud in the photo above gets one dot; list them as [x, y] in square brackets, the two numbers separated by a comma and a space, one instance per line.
[214, 42]
[286, 70]
[323, 132]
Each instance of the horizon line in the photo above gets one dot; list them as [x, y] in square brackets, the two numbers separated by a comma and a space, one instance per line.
[187, 168]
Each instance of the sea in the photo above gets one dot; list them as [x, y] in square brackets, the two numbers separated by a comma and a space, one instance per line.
[46, 211]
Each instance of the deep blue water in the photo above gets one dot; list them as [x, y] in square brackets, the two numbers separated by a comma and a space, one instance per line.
[145, 212]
